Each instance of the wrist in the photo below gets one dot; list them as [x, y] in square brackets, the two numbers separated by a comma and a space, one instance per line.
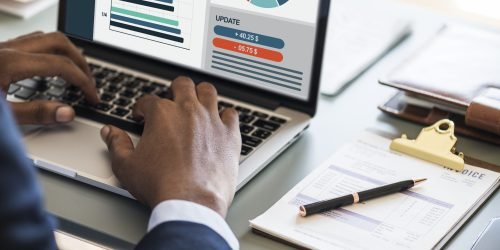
[210, 200]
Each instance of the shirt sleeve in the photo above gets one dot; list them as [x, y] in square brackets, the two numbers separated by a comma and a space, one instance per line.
[178, 210]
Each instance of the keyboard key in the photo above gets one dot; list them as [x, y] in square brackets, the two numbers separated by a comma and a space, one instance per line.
[267, 125]
[133, 83]
[70, 97]
[128, 93]
[246, 118]
[28, 83]
[225, 104]
[94, 66]
[56, 92]
[159, 85]
[126, 75]
[142, 79]
[112, 89]
[42, 97]
[260, 115]
[117, 79]
[243, 110]
[148, 89]
[84, 103]
[12, 89]
[246, 150]
[277, 120]
[122, 102]
[262, 134]
[104, 107]
[107, 97]
[73, 89]
[101, 75]
[100, 83]
[109, 71]
[246, 129]
[58, 82]
[25, 93]
[251, 141]
[120, 112]
[164, 95]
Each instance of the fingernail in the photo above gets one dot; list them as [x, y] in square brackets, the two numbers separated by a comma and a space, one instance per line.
[105, 132]
[64, 114]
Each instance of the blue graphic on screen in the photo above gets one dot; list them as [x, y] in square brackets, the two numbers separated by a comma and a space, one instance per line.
[268, 3]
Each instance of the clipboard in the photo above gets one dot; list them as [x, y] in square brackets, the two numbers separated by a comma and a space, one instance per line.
[436, 144]
[430, 137]
[425, 147]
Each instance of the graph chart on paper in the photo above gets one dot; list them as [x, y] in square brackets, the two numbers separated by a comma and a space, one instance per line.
[163, 21]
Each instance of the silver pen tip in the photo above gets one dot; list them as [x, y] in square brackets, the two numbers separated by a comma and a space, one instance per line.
[417, 181]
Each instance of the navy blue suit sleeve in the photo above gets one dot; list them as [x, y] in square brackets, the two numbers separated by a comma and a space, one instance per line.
[23, 222]
[181, 235]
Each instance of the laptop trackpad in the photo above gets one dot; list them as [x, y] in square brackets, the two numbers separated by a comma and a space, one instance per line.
[77, 146]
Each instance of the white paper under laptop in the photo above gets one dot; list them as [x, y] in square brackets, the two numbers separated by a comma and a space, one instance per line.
[419, 218]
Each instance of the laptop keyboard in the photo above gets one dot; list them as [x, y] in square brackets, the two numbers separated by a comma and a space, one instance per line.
[119, 92]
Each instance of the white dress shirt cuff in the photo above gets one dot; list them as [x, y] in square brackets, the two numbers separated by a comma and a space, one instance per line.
[178, 210]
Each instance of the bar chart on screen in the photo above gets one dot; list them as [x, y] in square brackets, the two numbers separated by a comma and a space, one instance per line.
[162, 21]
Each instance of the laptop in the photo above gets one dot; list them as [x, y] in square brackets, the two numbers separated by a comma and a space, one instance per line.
[263, 56]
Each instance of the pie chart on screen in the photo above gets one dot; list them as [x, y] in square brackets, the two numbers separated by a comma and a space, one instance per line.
[268, 3]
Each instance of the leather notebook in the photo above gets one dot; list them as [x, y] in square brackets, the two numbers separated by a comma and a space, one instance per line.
[455, 76]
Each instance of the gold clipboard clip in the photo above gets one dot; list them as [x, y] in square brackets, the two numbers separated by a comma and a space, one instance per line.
[435, 144]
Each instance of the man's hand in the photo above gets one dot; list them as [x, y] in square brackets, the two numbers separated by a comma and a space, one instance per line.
[188, 151]
[44, 55]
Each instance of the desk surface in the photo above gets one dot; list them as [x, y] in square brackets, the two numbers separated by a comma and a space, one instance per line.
[339, 120]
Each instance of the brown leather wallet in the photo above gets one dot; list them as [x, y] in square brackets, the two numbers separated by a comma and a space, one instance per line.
[459, 71]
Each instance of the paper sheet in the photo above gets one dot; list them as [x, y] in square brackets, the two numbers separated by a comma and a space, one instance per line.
[25, 9]
[359, 33]
[415, 219]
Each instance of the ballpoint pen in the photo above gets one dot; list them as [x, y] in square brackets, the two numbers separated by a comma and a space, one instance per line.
[326, 205]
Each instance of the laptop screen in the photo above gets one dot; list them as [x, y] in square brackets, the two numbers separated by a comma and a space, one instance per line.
[267, 44]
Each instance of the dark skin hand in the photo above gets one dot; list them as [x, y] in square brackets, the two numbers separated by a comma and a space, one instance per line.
[44, 55]
[188, 151]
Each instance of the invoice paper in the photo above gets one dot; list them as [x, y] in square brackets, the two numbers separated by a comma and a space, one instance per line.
[415, 219]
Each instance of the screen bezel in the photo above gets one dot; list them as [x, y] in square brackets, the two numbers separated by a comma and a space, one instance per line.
[233, 89]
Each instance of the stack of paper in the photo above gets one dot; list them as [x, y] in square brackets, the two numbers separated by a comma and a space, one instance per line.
[359, 33]
[25, 8]
[420, 218]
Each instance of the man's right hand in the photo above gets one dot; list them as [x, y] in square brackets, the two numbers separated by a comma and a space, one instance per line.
[188, 151]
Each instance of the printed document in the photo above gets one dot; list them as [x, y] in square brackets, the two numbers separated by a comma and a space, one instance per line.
[414, 219]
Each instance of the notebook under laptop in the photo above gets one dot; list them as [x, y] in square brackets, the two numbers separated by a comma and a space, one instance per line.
[264, 57]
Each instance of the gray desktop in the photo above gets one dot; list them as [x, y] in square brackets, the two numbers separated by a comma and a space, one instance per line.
[338, 121]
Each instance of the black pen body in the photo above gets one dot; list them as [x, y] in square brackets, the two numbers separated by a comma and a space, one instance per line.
[323, 206]
[385, 190]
